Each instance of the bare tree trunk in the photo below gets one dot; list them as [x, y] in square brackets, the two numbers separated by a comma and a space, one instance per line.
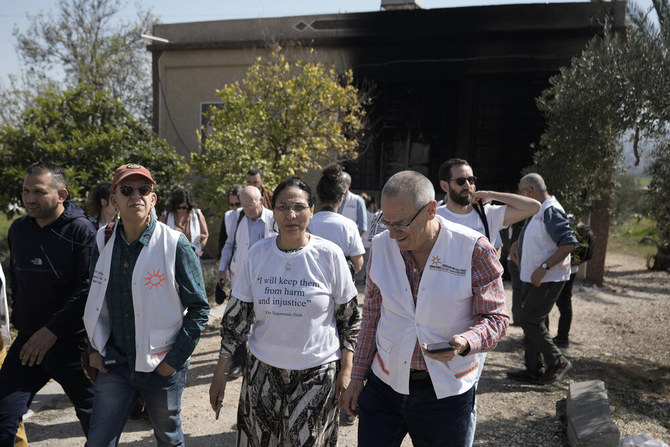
[600, 225]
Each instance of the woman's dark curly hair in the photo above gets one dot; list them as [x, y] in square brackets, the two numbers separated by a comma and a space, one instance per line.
[181, 195]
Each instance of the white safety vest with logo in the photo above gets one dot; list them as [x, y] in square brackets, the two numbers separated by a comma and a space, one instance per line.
[158, 309]
[443, 309]
[242, 242]
[538, 246]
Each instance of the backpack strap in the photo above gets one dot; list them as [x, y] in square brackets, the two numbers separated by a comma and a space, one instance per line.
[109, 230]
[479, 207]
[239, 219]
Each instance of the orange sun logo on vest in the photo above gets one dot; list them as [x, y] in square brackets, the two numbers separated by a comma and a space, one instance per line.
[154, 279]
[435, 260]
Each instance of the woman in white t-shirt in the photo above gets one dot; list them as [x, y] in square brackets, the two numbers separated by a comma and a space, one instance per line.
[327, 223]
[296, 303]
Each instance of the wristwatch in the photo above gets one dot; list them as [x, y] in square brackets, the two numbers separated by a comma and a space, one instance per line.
[545, 266]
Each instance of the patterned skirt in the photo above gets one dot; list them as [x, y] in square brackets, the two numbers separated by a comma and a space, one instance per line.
[287, 408]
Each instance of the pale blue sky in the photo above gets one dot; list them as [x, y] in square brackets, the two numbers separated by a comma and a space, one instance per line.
[13, 13]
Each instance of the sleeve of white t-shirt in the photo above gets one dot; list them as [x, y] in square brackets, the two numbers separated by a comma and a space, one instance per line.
[242, 290]
[495, 214]
[356, 246]
[343, 288]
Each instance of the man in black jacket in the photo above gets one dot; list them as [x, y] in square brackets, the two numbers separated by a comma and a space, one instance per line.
[50, 250]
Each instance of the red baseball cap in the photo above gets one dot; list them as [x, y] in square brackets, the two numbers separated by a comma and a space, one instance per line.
[130, 169]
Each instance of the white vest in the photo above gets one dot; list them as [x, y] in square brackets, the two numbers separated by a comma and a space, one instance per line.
[194, 227]
[158, 309]
[242, 243]
[443, 309]
[538, 246]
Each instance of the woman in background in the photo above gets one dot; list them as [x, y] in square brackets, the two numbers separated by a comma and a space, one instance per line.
[100, 209]
[183, 216]
[328, 224]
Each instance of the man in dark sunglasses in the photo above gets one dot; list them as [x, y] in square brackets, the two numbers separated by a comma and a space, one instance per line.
[462, 206]
[144, 314]
[50, 251]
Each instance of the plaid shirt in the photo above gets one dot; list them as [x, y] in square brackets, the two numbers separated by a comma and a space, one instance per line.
[488, 309]
[119, 298]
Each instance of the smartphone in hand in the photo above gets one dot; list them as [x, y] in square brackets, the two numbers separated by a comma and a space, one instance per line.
[445, 346]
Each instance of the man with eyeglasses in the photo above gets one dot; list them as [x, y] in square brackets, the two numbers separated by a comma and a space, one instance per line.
[434, 302]
[254, 223]
[543, 255]
[458, 182]
[49, 256]
[145, 312]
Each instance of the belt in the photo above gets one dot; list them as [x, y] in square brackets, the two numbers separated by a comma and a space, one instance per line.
[418, 374]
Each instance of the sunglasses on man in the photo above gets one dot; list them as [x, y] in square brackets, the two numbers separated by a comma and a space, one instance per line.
[460, 181]
[128, 190]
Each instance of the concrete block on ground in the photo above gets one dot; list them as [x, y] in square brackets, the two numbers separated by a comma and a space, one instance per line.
[590, 421]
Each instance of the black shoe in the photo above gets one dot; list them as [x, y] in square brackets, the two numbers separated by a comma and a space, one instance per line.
[235, 371]
[556, 372]
[561, 342]
[523, 376]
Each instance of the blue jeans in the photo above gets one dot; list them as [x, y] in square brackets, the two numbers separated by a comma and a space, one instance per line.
[19, 384]
[386, 416]
[115, 395]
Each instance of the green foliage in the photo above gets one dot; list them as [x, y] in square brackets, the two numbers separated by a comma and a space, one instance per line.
[628, 198]
[579, 153]
[86, 132]
[85, 41]
[283, 117]
[615, 87]
[657, 194]
[628, 236]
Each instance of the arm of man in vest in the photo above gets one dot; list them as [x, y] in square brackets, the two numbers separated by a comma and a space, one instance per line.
[227, 254]
[366, 345]
[68, 319]
[518, 207]
[194, 299]
[361, 216]
[559, 229]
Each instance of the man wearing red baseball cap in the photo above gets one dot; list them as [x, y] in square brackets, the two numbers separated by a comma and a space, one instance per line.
[144, 315]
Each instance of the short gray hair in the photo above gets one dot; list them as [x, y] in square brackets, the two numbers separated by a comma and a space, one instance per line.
[535, 180]
[411, 183]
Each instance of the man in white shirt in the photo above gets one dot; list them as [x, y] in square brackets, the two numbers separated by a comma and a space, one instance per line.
[543, 255]
[255, 224]
[353, 207]
[458, 181]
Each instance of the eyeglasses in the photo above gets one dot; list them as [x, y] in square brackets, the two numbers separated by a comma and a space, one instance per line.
[181, 208]
[297, 208]
[403, 227]
[460, 181]
[128, 190]
[234, 204]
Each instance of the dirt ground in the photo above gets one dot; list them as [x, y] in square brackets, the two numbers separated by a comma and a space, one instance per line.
[619, 335]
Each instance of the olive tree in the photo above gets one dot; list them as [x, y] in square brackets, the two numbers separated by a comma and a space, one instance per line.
[86, 132]
[618, 86]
